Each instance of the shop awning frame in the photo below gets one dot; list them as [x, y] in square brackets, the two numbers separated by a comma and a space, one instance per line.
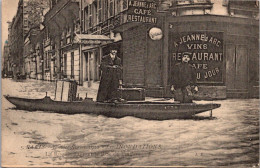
[90, 39]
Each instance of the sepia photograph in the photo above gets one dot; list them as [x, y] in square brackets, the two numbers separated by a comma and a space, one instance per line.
[130, 83]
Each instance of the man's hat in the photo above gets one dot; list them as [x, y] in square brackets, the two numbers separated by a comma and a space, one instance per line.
[186, 53]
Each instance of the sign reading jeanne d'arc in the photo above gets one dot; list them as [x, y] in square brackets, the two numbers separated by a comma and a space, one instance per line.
[205, 50]
[141, 11]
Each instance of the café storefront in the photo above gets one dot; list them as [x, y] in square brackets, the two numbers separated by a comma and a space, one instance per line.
[223, 50]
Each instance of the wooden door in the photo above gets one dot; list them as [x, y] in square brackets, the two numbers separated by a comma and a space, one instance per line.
[230, 67]
[237, 70]
[241, 68]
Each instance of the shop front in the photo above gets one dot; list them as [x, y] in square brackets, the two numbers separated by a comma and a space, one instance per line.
[223, 51]
[89, 57]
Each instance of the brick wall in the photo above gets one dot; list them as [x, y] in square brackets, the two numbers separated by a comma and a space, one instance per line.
[134, 47]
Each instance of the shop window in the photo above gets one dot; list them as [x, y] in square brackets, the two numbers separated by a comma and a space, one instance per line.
[72, 64]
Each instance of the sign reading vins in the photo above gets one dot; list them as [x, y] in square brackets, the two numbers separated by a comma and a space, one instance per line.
[205, 50]
[141, 11]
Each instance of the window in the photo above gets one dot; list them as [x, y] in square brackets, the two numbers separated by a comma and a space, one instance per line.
[72, 64]
[225, 3]
[111, 8]
[117, 7]
[99, 11]
[68, 40]
[65, 65]
[90, 19]
[86, 25]
[125, 5]
[105, 9]
[46, 60]
[95, 13]
[53, 3]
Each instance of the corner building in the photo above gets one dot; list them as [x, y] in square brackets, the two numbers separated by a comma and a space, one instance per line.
[223, 39]
[150, 36]
[221, 36]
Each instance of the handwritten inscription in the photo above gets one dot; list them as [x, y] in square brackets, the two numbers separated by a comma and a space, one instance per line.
[59, 152]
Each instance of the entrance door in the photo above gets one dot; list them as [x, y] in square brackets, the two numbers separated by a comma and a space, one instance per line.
[85, 67]
[237, 71]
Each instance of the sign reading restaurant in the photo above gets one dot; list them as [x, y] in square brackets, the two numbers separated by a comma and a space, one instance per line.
[141, 11]
[205, 50]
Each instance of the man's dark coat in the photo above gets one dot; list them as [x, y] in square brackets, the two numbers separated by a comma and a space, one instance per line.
[110, 77]
[183, 74]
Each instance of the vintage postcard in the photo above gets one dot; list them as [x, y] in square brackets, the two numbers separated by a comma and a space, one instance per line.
[130, 83]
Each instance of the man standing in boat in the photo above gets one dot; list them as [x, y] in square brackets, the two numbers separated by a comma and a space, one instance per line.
[111, 77]
[183, 82]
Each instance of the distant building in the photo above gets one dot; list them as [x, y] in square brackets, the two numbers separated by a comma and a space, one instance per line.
[223, 37]
[16, 41]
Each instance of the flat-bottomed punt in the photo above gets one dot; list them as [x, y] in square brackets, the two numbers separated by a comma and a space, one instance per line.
[141, 109]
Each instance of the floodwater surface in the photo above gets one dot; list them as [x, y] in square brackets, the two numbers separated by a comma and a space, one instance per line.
[230, 139]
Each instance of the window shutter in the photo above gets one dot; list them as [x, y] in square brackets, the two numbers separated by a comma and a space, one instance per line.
[125, 5]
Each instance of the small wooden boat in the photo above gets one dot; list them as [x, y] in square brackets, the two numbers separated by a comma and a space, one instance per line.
[141, 109]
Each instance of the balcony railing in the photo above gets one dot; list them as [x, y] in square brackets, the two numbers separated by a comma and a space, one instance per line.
[46, 42]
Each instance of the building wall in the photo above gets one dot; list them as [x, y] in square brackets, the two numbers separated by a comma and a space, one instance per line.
[240, 38]
[134, 46]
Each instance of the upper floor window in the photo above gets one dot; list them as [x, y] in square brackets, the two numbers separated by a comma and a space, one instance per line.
[111, 8]
[124, 4]
[86, 23]
[99, 11]
[53, 3]
[105, 9]
[95, 13]
[90, 18]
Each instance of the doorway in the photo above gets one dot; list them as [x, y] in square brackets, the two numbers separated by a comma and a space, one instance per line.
[237, 71]
[91, 63]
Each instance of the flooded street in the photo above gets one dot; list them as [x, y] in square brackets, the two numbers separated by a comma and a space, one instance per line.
[44, 139]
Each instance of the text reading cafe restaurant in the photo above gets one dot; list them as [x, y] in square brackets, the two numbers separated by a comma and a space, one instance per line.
[221, 39]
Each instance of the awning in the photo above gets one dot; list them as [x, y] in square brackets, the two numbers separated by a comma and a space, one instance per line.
[89, 39]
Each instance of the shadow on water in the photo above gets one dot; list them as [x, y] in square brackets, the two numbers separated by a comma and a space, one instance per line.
[204, 118]
[195, 118]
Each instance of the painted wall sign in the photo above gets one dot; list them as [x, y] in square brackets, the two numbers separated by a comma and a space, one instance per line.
[141, 11]
[206, 53]
[155, 33]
